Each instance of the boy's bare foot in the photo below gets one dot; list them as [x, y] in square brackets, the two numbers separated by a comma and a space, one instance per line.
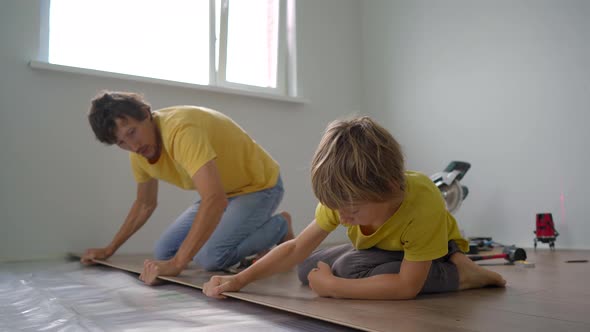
[472, 275]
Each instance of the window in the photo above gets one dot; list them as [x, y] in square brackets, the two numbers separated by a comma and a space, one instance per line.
[237, 44]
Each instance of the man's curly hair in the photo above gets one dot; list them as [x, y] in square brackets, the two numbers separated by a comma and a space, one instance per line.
[108, 106]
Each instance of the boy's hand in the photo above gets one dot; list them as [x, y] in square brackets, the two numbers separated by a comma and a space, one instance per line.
[321, 279]
[152, 269]
[219, 284]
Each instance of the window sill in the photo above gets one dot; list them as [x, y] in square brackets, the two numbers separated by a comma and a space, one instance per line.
[91, 72]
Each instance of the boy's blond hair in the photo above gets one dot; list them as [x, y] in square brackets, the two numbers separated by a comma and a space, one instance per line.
[357, 161]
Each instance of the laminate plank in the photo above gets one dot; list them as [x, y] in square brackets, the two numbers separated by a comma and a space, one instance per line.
[552, 296]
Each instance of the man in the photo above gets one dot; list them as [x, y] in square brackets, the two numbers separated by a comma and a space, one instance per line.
[193, 148]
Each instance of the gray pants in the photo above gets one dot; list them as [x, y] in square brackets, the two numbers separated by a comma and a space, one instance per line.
[347, 262]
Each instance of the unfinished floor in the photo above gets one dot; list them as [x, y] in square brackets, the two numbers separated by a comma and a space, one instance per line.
[59, 295]
[552, 296]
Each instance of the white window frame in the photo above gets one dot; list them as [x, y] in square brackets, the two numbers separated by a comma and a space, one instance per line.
[281, 54]
[286, 89]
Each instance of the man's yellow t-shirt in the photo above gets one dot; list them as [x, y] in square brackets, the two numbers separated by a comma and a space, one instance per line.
[421, 227]
[192, 136]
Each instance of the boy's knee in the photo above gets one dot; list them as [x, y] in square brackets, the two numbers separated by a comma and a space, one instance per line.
[302, 272]
[346, 267]
[342, 271]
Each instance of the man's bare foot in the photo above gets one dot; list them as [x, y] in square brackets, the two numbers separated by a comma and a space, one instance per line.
[472, 275]
[290, 235]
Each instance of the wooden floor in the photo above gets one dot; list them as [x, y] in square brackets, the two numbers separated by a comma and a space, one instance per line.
[552, 296]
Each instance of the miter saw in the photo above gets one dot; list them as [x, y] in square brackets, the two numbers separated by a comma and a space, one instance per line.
[454, 194]
[448, 183]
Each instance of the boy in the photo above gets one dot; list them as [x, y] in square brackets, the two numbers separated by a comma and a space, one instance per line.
[403, 239]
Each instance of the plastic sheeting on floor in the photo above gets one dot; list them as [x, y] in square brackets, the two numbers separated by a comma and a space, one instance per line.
[64, 296]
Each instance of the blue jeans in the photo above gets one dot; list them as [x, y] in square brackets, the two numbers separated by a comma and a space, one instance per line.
[247, 227]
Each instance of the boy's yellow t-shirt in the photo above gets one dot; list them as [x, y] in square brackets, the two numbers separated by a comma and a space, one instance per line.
[191, 137]
[421, 227]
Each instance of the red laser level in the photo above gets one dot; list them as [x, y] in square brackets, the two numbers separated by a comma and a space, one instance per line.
[545, 231]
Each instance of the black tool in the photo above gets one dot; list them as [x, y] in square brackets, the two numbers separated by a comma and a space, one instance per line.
[510, 253]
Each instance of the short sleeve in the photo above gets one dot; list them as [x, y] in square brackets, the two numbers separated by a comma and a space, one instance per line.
[425, 238]
[191, 148]
[139, 173]
[326, 218]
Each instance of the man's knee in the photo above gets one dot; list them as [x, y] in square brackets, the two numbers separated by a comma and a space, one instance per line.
[210, 264]
[216, 260]
[162, 252]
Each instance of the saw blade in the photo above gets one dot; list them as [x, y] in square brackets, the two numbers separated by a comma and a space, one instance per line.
[453, 195]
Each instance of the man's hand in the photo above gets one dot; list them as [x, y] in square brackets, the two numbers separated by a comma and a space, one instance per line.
[95, 253]
[152, 269]
[219, 284]
[321, 280]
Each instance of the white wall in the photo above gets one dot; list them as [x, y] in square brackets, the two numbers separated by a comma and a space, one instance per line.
[61, 190]
[504, 85]
[501, 84]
